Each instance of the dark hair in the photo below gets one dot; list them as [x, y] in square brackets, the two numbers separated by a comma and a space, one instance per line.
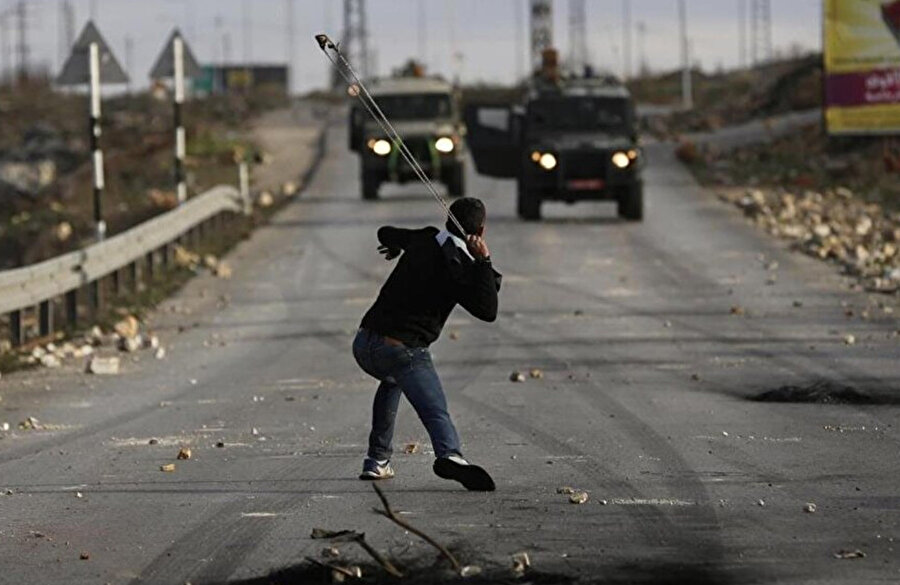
[471, 214]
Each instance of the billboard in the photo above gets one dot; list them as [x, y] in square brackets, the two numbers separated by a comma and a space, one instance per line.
[862, 66]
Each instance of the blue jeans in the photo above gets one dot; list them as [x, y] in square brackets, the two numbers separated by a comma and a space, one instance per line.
[408, 371]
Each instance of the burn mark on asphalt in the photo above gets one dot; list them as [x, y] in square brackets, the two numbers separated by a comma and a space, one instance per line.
[826, 392]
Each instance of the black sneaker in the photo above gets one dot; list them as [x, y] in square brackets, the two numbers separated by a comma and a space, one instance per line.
[473, 478]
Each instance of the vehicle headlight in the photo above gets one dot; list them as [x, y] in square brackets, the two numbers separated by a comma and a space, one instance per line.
[547, 161]
[621, 159]
[444, 144]
[381, 147]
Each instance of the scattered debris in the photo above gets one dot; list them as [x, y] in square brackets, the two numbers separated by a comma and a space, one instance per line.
[79, 495]
[850, 554]
[737, 310]
[520, 563]
[160, 353]
[331, 552]
[184, 453]
[168, 467]
[289, 188]
[578, 498]
[30, 424]
[388, 513]
[128, 327]
[566, 490]
[85, 556]
[103, 366]
[836, 225]
[4, 426]
[809, 508]
[695, 377]
[761, 503]
[153, 442]
[411, 448]
[536, 373]
[454, 335]
[220, 445]
[516, 377]
[470, 571]
[265, 199]
[254, 431]
[849, 339]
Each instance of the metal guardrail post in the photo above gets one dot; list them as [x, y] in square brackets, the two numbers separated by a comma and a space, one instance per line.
[150, 265]
[72, 308]
[45, 318]
[16, 333]
[134, 273]
[95, 297]
[116, 279]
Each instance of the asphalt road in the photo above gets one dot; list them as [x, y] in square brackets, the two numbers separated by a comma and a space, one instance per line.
[643, 404]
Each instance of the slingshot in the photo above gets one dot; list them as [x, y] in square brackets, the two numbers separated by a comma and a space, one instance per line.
[358, 89]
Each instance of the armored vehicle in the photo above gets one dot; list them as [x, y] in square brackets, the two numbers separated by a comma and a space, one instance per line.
[572, 140]
[425, 112]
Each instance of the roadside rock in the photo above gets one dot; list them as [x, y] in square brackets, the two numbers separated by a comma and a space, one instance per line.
[103, 366]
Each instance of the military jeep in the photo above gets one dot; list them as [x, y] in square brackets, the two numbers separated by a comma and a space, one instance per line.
[569, 141]
[425, 112]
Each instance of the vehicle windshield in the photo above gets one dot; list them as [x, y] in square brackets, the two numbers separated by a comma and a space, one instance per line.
[580, 114]
[415, 106]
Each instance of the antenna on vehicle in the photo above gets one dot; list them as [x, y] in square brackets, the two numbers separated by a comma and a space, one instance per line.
[358, 89]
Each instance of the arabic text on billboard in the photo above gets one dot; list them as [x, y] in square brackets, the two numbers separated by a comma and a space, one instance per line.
[862, 66]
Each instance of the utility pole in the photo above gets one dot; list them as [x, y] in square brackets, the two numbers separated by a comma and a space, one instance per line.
[541, 31]
[65, 30]
[129, 59]
[760, 31]
[626, 39]
[518, 39]
[22, 27]
[421, 47]
[577, 36]
[247, 36]
[644, 67]
[4, 46]
[355, 40]
[218, 41]
[687, 97]
[289, 40]
[742, 33]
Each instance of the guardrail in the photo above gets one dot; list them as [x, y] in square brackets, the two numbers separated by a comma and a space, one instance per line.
[149, 244]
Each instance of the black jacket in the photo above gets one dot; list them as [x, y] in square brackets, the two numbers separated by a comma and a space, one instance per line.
[428, 281]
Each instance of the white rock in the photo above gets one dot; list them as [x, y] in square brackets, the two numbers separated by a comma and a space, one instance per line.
[103, 366]
[131, 344]
[160, 353]
[50, 361]
[4, 426]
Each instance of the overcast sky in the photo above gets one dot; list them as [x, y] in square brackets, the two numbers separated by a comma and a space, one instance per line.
[483, 32]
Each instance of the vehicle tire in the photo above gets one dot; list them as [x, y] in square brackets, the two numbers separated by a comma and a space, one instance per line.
[369, 186]
[456, 181]
[529, 204]
[631, 202]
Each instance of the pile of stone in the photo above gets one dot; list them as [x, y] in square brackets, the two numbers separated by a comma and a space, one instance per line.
[834, 225]
[97, 349]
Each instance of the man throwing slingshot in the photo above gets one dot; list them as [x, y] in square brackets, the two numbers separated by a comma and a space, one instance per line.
[437, 270]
